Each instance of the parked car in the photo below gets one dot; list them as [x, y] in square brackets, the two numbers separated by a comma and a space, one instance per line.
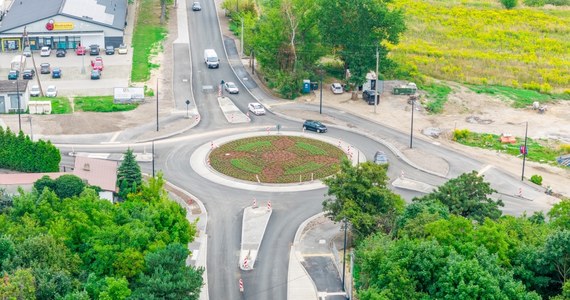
[45, 51]
[35, 90]
[60, 52]
[123, 49]
[13, 75]
[27, 51]
[80, 50]
[380, 158]
[94, 50]
[368, 96]
[45, 68]
[110, 50]
[97, 64]
[231, 87]
[336, 88]
[256, 108]
[315, 126]
[28, 74]
[56, 73]
[95, 74]
[51, 91]
[196, 6]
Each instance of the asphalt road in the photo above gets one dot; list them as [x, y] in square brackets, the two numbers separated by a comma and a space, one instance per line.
[225, 203]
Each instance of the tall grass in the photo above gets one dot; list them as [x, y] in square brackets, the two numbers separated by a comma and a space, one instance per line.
[480, 42]
[147, 39]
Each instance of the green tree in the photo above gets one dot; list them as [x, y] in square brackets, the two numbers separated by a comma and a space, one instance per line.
[559, 214]
[557, 255]
[115, 289]
[67, 186]
[509, 4]
[360, 195]
[44, 182]
[355, 28]
[5, 200]
[19, 285]
[467, 196]
[129, 177]
[167, 277]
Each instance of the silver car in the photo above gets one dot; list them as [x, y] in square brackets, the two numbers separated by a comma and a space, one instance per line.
[231, 87]
[256, 108]
[35, 91]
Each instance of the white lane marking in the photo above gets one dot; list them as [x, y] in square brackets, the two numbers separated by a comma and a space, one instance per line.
[485, 169]
[115, 136]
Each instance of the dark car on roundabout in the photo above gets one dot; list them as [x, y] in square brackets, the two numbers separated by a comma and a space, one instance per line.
[314, 126]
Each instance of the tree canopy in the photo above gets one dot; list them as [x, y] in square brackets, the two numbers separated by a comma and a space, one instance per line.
[83, 247]
[129, 176]
[359, 195]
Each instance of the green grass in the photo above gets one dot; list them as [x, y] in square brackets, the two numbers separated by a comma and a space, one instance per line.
[437, 94]
[304, 168]
[59, 105]
[520, 97]
[538, 150]
[147, 39]
[311, 148]
[100, 104]
[245, 165]
[254, 145]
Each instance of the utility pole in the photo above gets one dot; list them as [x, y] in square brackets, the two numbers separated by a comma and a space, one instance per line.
[152, 158]
[344, 258]
[412, 126]
[376, 96]
[321, 102]
[241, 38]
[156, 106]
[525, 150]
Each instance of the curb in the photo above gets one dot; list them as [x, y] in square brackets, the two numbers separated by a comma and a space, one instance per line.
[294, 257]
[242, 255]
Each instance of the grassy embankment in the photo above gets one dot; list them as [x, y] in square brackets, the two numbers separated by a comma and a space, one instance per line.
[147, 37]
[481, 43]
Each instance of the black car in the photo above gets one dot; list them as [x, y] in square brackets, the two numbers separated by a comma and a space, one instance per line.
[95, 74]
[368, 96]
[56, 73]
[45, 68]
[28, 74]
[60, 52]
[110, 50]
[315, 126]
[94, 50]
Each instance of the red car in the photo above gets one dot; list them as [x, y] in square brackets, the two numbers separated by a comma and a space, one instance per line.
[80, 50]
[97, 64]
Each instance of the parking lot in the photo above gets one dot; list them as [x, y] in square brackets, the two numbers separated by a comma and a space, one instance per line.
[74, 82]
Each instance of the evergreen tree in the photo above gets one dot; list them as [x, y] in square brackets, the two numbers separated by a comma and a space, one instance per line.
[129, 177]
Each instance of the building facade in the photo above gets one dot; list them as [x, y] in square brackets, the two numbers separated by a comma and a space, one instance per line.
[9, 100]
[62, 24]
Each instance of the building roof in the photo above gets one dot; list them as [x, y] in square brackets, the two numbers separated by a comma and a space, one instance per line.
[111, 13]
[25, 178]
[102, 173]
[9, 86]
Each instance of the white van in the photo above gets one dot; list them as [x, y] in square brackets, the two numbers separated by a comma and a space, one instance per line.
[211, 58]
[18, 62]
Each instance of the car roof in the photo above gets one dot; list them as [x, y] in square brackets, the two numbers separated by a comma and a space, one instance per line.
[51, 86]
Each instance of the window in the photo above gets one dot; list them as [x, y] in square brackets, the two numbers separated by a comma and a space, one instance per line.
[13, 101]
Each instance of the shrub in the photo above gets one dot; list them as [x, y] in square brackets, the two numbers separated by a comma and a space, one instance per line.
[565, 148]
[536, 179]
[508, 4]
[460, 134]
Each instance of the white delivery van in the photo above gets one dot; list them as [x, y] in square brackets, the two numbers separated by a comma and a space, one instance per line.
[18, 63]
[211, 58]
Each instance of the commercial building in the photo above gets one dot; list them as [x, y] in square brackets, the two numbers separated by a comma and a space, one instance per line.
[62, 24]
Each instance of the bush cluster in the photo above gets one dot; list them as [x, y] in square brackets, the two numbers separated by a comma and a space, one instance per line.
[20, 153]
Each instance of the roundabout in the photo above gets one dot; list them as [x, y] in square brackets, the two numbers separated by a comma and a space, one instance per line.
[303, 174]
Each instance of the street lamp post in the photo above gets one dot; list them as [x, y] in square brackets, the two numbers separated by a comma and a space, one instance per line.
[525, 150]
[344, 257]
[412, 125]
[156, 106]
[187, 104]
[19, 110]
[321, 102]
[152, 158]
[31, 128]
[82, 56]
